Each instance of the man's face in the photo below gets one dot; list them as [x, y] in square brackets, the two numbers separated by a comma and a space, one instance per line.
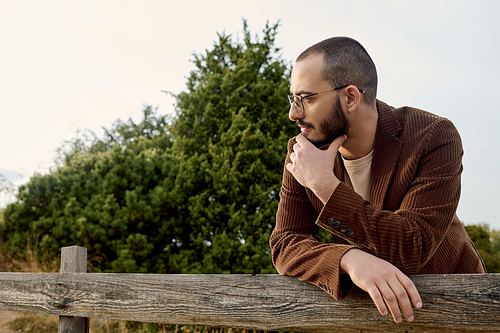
[323, 119]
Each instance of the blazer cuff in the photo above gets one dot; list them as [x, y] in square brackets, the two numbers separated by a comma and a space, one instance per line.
[344, 215]
[336, 284]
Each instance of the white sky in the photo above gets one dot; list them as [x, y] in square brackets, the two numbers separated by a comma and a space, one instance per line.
[68, 65]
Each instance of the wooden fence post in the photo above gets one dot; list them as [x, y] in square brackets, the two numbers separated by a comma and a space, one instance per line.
[73, 260]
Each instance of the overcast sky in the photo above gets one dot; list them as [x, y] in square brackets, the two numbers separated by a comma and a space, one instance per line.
[68, 65]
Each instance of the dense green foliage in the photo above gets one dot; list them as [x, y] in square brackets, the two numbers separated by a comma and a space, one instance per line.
[487, 243]
[194, 193]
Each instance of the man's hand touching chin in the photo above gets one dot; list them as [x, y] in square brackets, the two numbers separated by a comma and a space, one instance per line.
[384, 282]
[313, 168]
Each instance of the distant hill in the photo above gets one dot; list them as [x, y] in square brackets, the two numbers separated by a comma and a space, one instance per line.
[12, 175]
[9, 181]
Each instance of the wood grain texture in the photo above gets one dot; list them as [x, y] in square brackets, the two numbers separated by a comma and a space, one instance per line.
[73, 260]
[268, 302]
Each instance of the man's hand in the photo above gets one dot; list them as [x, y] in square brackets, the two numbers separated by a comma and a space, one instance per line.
[313, 168]
[382, 281]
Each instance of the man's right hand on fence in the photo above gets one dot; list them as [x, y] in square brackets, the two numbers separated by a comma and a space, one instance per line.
[383, 281]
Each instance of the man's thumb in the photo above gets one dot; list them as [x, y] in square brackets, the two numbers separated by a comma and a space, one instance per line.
[339, 141]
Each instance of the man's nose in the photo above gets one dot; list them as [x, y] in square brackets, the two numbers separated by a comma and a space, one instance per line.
[293, 114]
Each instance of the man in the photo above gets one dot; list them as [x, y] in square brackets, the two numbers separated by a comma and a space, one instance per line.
[385, 182]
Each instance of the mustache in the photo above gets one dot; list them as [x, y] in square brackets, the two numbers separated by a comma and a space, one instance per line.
[303, 123]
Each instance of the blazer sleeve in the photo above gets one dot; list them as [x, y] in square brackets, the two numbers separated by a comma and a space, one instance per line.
[410, 235]
[296, 247]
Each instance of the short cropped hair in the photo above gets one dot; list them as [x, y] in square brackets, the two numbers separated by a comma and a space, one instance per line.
[345, 61]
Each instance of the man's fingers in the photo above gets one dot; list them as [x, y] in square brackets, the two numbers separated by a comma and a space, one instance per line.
[411, 290]
[402, 290]
[388, 287]
[397, 298]
[301, 140]
[404, 302]
[377, 299]
[392, 302]
[339, 141]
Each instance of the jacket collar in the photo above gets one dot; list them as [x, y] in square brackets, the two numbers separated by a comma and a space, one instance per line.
[386, 152]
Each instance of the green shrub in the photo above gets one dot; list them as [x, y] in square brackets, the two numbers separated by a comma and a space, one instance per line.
[487, 243]
[192, 193]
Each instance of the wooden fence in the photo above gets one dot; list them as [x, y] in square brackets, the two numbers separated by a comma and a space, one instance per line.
[451, 303]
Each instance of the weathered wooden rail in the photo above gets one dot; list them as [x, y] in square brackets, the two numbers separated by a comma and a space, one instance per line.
[452, 303]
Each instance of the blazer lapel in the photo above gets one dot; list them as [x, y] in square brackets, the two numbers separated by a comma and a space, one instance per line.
[387, 149]
[338, 168]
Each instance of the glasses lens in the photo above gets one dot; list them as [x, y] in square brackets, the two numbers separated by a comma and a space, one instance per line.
[295, 100]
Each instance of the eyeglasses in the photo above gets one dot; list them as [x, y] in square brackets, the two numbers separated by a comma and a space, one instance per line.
[298, 100]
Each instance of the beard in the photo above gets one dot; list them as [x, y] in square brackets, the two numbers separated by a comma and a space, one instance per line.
[335, 125]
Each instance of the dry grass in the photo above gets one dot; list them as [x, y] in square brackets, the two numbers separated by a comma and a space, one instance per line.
[29, 262]
[42, 323]
[35, 322]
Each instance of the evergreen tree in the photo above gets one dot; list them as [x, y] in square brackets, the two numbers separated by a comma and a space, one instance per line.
[194, 194]
[230, 138]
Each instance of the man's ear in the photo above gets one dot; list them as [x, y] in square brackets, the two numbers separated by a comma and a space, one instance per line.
[352, 97]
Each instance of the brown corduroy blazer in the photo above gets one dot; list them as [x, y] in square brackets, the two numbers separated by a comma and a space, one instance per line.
[410, 219]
